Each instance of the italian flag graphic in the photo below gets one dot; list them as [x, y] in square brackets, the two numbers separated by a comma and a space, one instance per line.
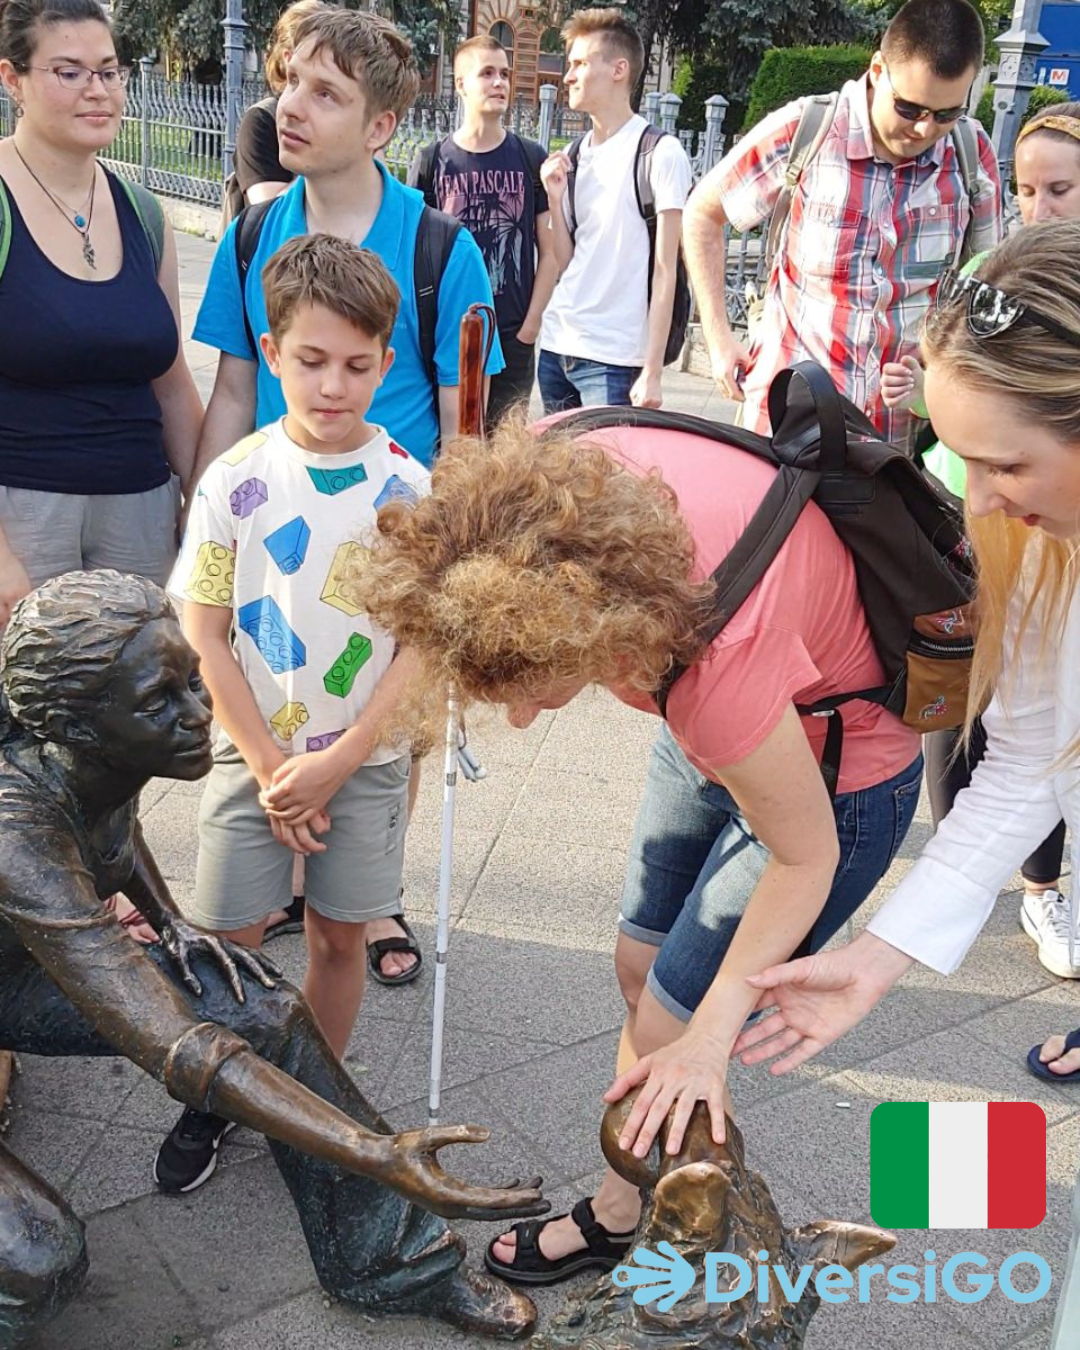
[958, 1165]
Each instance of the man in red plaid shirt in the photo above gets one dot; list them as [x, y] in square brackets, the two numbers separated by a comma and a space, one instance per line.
[878, 215]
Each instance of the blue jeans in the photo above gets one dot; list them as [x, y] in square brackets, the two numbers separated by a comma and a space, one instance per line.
[694, 864]
[573, 382]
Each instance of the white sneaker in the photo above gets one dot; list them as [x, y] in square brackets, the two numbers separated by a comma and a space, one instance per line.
[1046, 919]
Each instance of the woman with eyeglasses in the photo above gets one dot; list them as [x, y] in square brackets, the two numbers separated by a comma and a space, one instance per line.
[1002, 354]
[1047, 171]
[99, 414]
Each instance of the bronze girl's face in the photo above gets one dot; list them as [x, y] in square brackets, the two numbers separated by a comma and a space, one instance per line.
[155, 718]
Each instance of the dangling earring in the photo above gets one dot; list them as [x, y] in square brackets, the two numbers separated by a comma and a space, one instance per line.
[18, 111]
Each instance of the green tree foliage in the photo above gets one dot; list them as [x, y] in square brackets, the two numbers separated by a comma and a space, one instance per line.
[694, 82]
[190, 31]
[787, 73]
[732, 36]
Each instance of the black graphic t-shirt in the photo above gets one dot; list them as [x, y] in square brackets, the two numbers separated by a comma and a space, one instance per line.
[497, 196]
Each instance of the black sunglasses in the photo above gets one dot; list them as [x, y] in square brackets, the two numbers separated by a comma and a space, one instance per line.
[991, 311]
[911, 112]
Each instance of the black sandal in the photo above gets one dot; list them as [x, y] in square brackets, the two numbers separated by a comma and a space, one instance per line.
[530, 1266]
[377, 950]
[293, 922]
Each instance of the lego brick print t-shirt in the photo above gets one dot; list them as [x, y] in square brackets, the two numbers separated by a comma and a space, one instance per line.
[272, 532]
[497, 196]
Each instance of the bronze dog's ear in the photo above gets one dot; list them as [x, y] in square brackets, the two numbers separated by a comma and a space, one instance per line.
[642, 1172]
[691, 1201]
[832, 1242]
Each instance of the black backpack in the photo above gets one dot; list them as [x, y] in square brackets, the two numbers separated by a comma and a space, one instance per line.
[680, 310]
[913, 564]
[435, 237]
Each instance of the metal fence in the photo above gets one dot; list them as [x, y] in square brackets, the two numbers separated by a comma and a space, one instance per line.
[173, 134]
[172, 139]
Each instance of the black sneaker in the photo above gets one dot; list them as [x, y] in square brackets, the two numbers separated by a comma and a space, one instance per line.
[189, 1155]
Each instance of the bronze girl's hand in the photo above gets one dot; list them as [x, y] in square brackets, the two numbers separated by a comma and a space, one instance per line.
[182, 941]
[411, 1167]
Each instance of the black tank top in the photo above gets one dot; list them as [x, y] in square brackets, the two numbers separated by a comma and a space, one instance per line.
[77, 412]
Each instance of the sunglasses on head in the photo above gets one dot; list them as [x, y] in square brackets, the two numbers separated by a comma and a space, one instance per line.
[991, 311]
[912, 112]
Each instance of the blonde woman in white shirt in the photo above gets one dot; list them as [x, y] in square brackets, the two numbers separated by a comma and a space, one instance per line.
[1003, 389]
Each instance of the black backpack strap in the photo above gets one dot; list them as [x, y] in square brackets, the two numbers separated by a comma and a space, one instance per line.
[249, 228]
[425, 172]
[435, 236]
[643, 190]
[749, 559]
[574, 151]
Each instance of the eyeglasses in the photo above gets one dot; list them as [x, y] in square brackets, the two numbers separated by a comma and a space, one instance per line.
[78, 77]
[991, 311]
[911, 112]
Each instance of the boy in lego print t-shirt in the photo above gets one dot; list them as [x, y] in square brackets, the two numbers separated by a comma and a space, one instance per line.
[301, 679]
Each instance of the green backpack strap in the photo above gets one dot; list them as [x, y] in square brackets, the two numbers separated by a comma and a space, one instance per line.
[5, 228]
[151, 217]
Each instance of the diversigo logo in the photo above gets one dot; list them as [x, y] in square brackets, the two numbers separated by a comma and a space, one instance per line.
[934, 1165]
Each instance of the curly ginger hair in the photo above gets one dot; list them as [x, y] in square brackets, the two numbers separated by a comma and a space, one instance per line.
[535, 561]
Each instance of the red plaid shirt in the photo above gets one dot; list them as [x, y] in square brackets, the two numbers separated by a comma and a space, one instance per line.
[865, 244]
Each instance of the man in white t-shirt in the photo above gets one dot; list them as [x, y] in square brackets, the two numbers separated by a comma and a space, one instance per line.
[604, 333]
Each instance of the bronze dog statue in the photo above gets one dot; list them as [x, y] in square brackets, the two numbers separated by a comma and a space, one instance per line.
[703, 1200]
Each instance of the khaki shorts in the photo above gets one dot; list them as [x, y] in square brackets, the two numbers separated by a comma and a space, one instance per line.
[244, 874]
[55, 532]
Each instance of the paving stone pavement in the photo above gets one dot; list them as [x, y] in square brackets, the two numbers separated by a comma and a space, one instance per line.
[533, 1016]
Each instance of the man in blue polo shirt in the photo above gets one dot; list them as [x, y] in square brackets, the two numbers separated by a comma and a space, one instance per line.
[351, 77]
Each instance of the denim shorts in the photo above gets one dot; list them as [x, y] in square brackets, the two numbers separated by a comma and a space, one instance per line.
[694, 864]
[576, 382]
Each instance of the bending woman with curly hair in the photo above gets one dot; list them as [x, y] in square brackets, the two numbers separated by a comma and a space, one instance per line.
[540, 566]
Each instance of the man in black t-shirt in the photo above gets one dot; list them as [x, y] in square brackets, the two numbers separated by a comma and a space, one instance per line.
[489, 179]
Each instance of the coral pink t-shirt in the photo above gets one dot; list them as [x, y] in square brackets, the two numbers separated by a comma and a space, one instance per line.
[800, 636]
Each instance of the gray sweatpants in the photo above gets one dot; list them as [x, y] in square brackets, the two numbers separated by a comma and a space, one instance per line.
[55, 532]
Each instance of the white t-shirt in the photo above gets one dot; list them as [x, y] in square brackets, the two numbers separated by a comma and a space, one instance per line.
[600, 308]
[272, 532]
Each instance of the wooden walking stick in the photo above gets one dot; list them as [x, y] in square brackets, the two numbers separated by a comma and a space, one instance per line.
[477, 335]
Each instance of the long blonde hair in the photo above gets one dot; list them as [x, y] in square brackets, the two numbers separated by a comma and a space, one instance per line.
[1037, 372]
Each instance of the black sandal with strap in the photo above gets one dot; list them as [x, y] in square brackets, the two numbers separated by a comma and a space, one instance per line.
[377, 950]
[530, 1266]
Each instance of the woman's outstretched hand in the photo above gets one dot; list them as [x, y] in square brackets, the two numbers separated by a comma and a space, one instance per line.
[816, 999]
[690, 1070]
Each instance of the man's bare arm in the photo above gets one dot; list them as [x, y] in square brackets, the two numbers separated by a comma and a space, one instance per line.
[230, 414]
[706, 262]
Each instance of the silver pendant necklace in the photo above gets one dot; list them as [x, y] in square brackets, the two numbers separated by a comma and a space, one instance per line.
[79, 222]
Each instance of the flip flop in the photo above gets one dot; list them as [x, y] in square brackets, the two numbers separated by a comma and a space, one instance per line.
[377, 950]
[1040, 1070]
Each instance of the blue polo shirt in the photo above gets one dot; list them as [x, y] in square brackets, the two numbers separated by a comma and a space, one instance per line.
[405, 403]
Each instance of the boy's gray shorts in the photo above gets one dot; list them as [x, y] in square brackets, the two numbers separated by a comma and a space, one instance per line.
[244, 874]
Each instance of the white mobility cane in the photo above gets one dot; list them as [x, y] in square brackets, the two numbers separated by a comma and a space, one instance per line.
[477, 336]
[442, 923]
